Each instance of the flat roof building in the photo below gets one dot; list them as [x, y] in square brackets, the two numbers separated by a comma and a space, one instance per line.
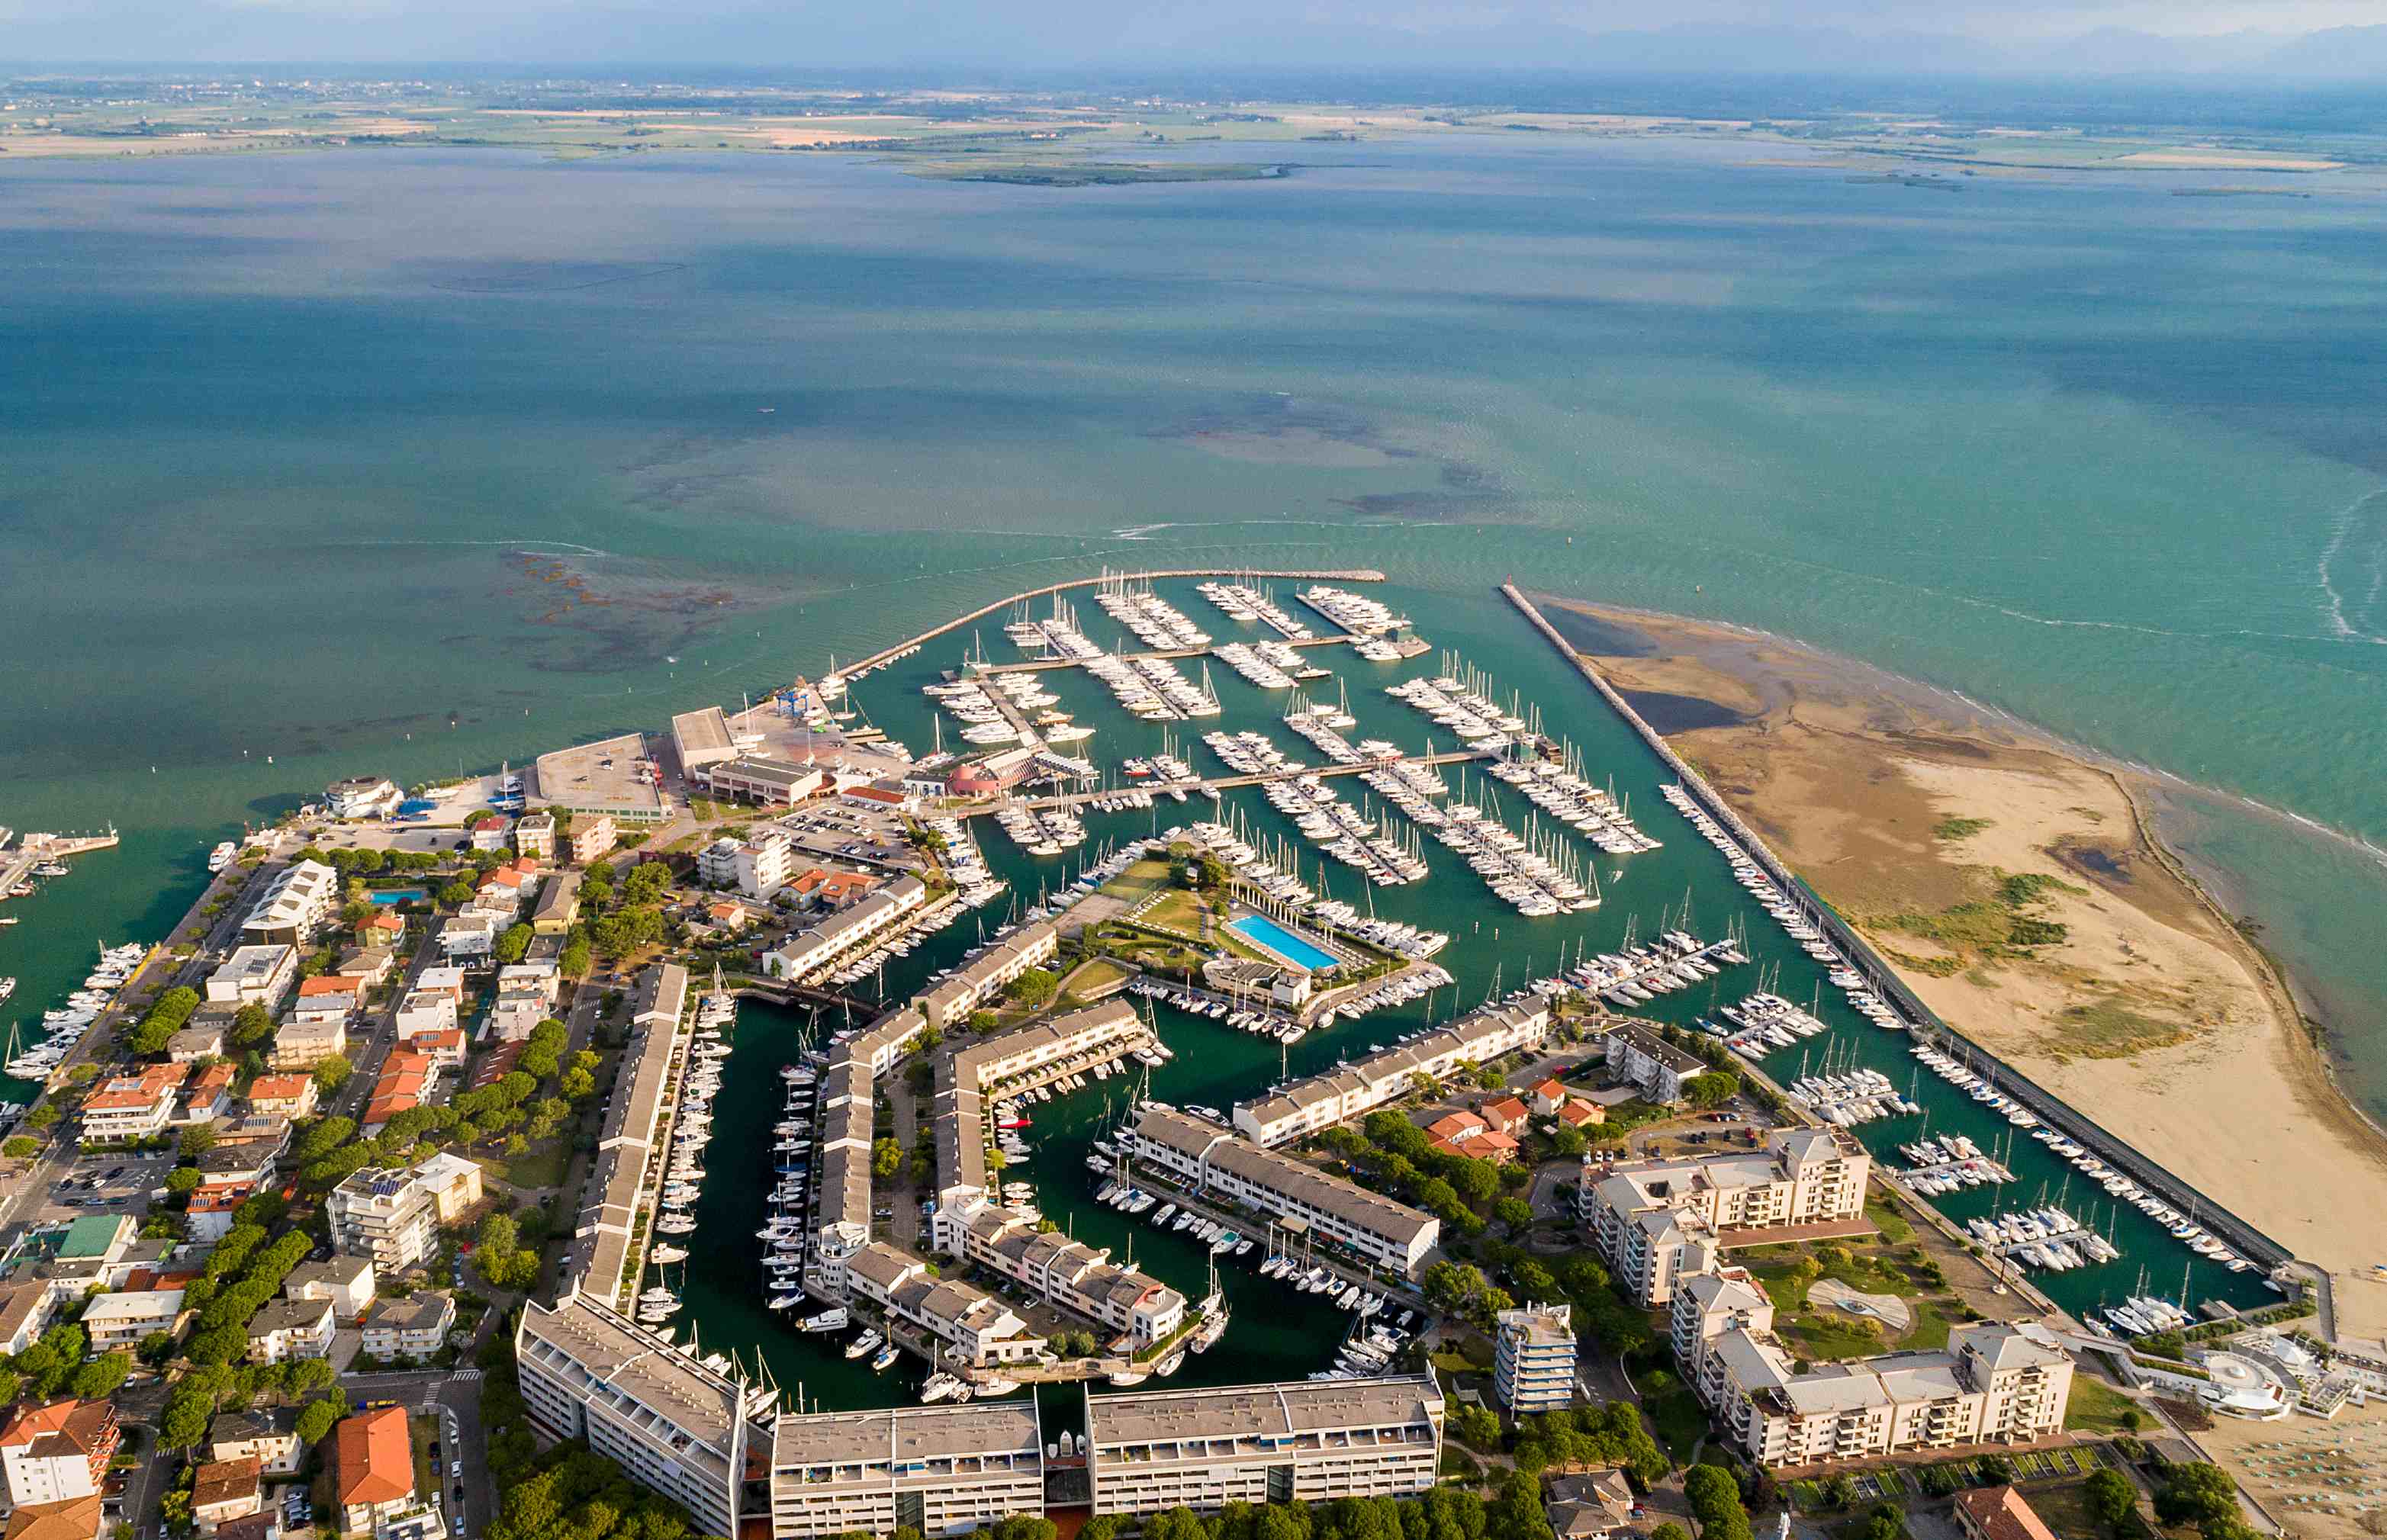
[701, 738]
[1349, 1091]
[1302, 1441]
[1205, 1156]
[935, 1470]
[1532, 1360]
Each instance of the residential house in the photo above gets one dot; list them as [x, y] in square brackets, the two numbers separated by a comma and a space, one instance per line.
[269, 1133]
[304, 1044]
[558, 906]
[122, 1318]
[255, 976]
[205, 1096]
[454, 1183]
[448, 980]
[209, 1216]
[1999, 1513]
[346, 1281]
[1508, 1115]
[415, 1327]
[1595, 1506]
[268, 1435]
[336, 995]
[132, 1106]
[75, 1519]
[291, 1096]
[445, 1050]
[425, 1011]
[26, 1306]
[1548, 1096]
[284, 1329]
[372, 1467]
[592, 838]
[535, 837]
[470, 937]
[195, 1043]
[403, 1080]
[222, 1490]
[384, 930]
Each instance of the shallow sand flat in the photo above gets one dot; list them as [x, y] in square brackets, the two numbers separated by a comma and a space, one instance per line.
[1848, 772]
[2223, 160]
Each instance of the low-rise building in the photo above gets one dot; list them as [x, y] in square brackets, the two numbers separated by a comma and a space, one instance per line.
[363, 797]
[404, 1081]
[976, 1327]
[255, 976]
[26, 1307]
[193, 1043]
[1999, 1513]
[75, 1519]
[1302, 1441]
[223, 1490]
[425, 1011]
[304, 1044]
[558, 906]
[1597, 1506]
[1350, 1091]
[347, 1282]
[453, 1181]
[373, 1466]
[1207, 1158]
[291, 1096]
[210, 1214]
[1657, 1067]
[844, 931]
[329, 994]
[592, 838]
[266, 1434]
[938, 1469]
[122, 1318]
[771, 782]
[132, 1106]
[284, 1329]
[415, 1327]
[296, 903]
[982, 974]
[470, 937]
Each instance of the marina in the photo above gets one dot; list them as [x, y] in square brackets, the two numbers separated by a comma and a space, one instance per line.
[1641, 950]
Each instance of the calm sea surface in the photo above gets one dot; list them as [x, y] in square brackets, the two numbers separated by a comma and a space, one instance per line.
[412, 462]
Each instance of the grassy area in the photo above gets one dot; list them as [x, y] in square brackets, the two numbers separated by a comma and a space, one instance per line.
[1092, 976]
[1894, 1229]
[1677, 1419]
[540, 1165]
[423, 1433]
[1142, 879]
[1180, 909]
[1930, 1328]
[2063, 1506]
[2109, 1030]
[1958, 828]
[2098, 1407]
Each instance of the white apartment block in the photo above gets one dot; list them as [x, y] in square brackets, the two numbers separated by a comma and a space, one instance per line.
[1206, 1158]
[1533, 1359]
[425, 1011]
[978, 1328]
[386, 1216]
[938, 1469]
[805, 954]
[987, 970]
[296, 903]
[1993, 1383]
[255, 976]
[1355, 1090]
[674, 1425]
[1304, 1441]
[1657, 1067]
[1658, 1222]
[1070, 1274]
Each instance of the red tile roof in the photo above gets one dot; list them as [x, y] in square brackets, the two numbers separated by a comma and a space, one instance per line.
[375, 1463]
[2001, 1513]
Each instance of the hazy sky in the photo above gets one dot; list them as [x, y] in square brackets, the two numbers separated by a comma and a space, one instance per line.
[844, 31]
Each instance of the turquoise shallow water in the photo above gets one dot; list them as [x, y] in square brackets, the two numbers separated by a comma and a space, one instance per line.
[412, 462]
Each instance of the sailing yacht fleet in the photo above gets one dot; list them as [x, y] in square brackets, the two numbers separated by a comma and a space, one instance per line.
[691, 1131]
[64, 1026]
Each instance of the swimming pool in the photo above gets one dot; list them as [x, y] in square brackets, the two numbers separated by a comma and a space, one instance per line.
[1268, 936]
[399, 895]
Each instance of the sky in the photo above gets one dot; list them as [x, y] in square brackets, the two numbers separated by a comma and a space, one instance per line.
[840, 32]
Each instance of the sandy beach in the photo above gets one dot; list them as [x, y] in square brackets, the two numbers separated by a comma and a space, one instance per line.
[2011, 882]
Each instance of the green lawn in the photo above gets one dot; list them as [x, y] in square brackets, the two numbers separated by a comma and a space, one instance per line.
[540, 1165]
[1677, 1419]
[2096, 1408]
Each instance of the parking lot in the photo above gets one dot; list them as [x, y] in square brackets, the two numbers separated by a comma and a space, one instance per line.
[104, 1184]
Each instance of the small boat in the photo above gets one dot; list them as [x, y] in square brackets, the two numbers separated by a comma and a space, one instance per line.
[887, 1356]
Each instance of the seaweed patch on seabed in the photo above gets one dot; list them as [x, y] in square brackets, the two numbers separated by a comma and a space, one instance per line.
[1466, 492]
[627, 620]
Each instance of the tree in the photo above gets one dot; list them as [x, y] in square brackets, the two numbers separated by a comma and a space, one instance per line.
[456, 894]
[164, 1019]
[183, 1178]
[1885, 1522]
[1476, 1428]
[1514, 1213]
[1713, 1088]
[1023, 1526]
[1033, 989]
[251, 1024]
[578, 1084]
[2111, 1498]
[185, 1420]
[309, 1375]
[1450, 1287]
[332, 1072]
[42, 1118]
[513, 943]
[20, 1147]
[1714, 1498]
[2196, 1493]
[196, 1141]
[315, 1420]
[98, 1380]
[1176, 1523]
[986, 1021]
[1515, 1513]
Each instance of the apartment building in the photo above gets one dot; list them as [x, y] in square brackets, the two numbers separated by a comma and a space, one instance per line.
[453, 1181]
[124, 1318]
[132, 1106]
[675, 1426]
[425, 1011]
[984, 973]
[268, 1435]
[372, 1467]
[592, 838]
[222, 1491]
[58, 1452]
[363, 797]
[1304, 1440]
[978, 1328]
[757, 867]
[415, 1327]
[1206, 1158]
[283, 1095]
[304, 1044]
[1649, 1062]
[286, 1329]
[846, 930]
[347, 1282]
[296, 903]
[254, 975]
[1993, 1383]
[1533, 1358]
[535, 837]
[1658, 1222]
[1066, 1273]
[558, 906]
[384, 1215]
[1351, 1090]
[935, 1470]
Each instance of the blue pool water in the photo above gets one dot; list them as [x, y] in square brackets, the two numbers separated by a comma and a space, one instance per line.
[399, 895]
[1261, 931]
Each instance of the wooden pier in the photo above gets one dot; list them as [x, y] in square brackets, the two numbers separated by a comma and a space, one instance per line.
[17, 865]
[1224, 783]
[1208, 649]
